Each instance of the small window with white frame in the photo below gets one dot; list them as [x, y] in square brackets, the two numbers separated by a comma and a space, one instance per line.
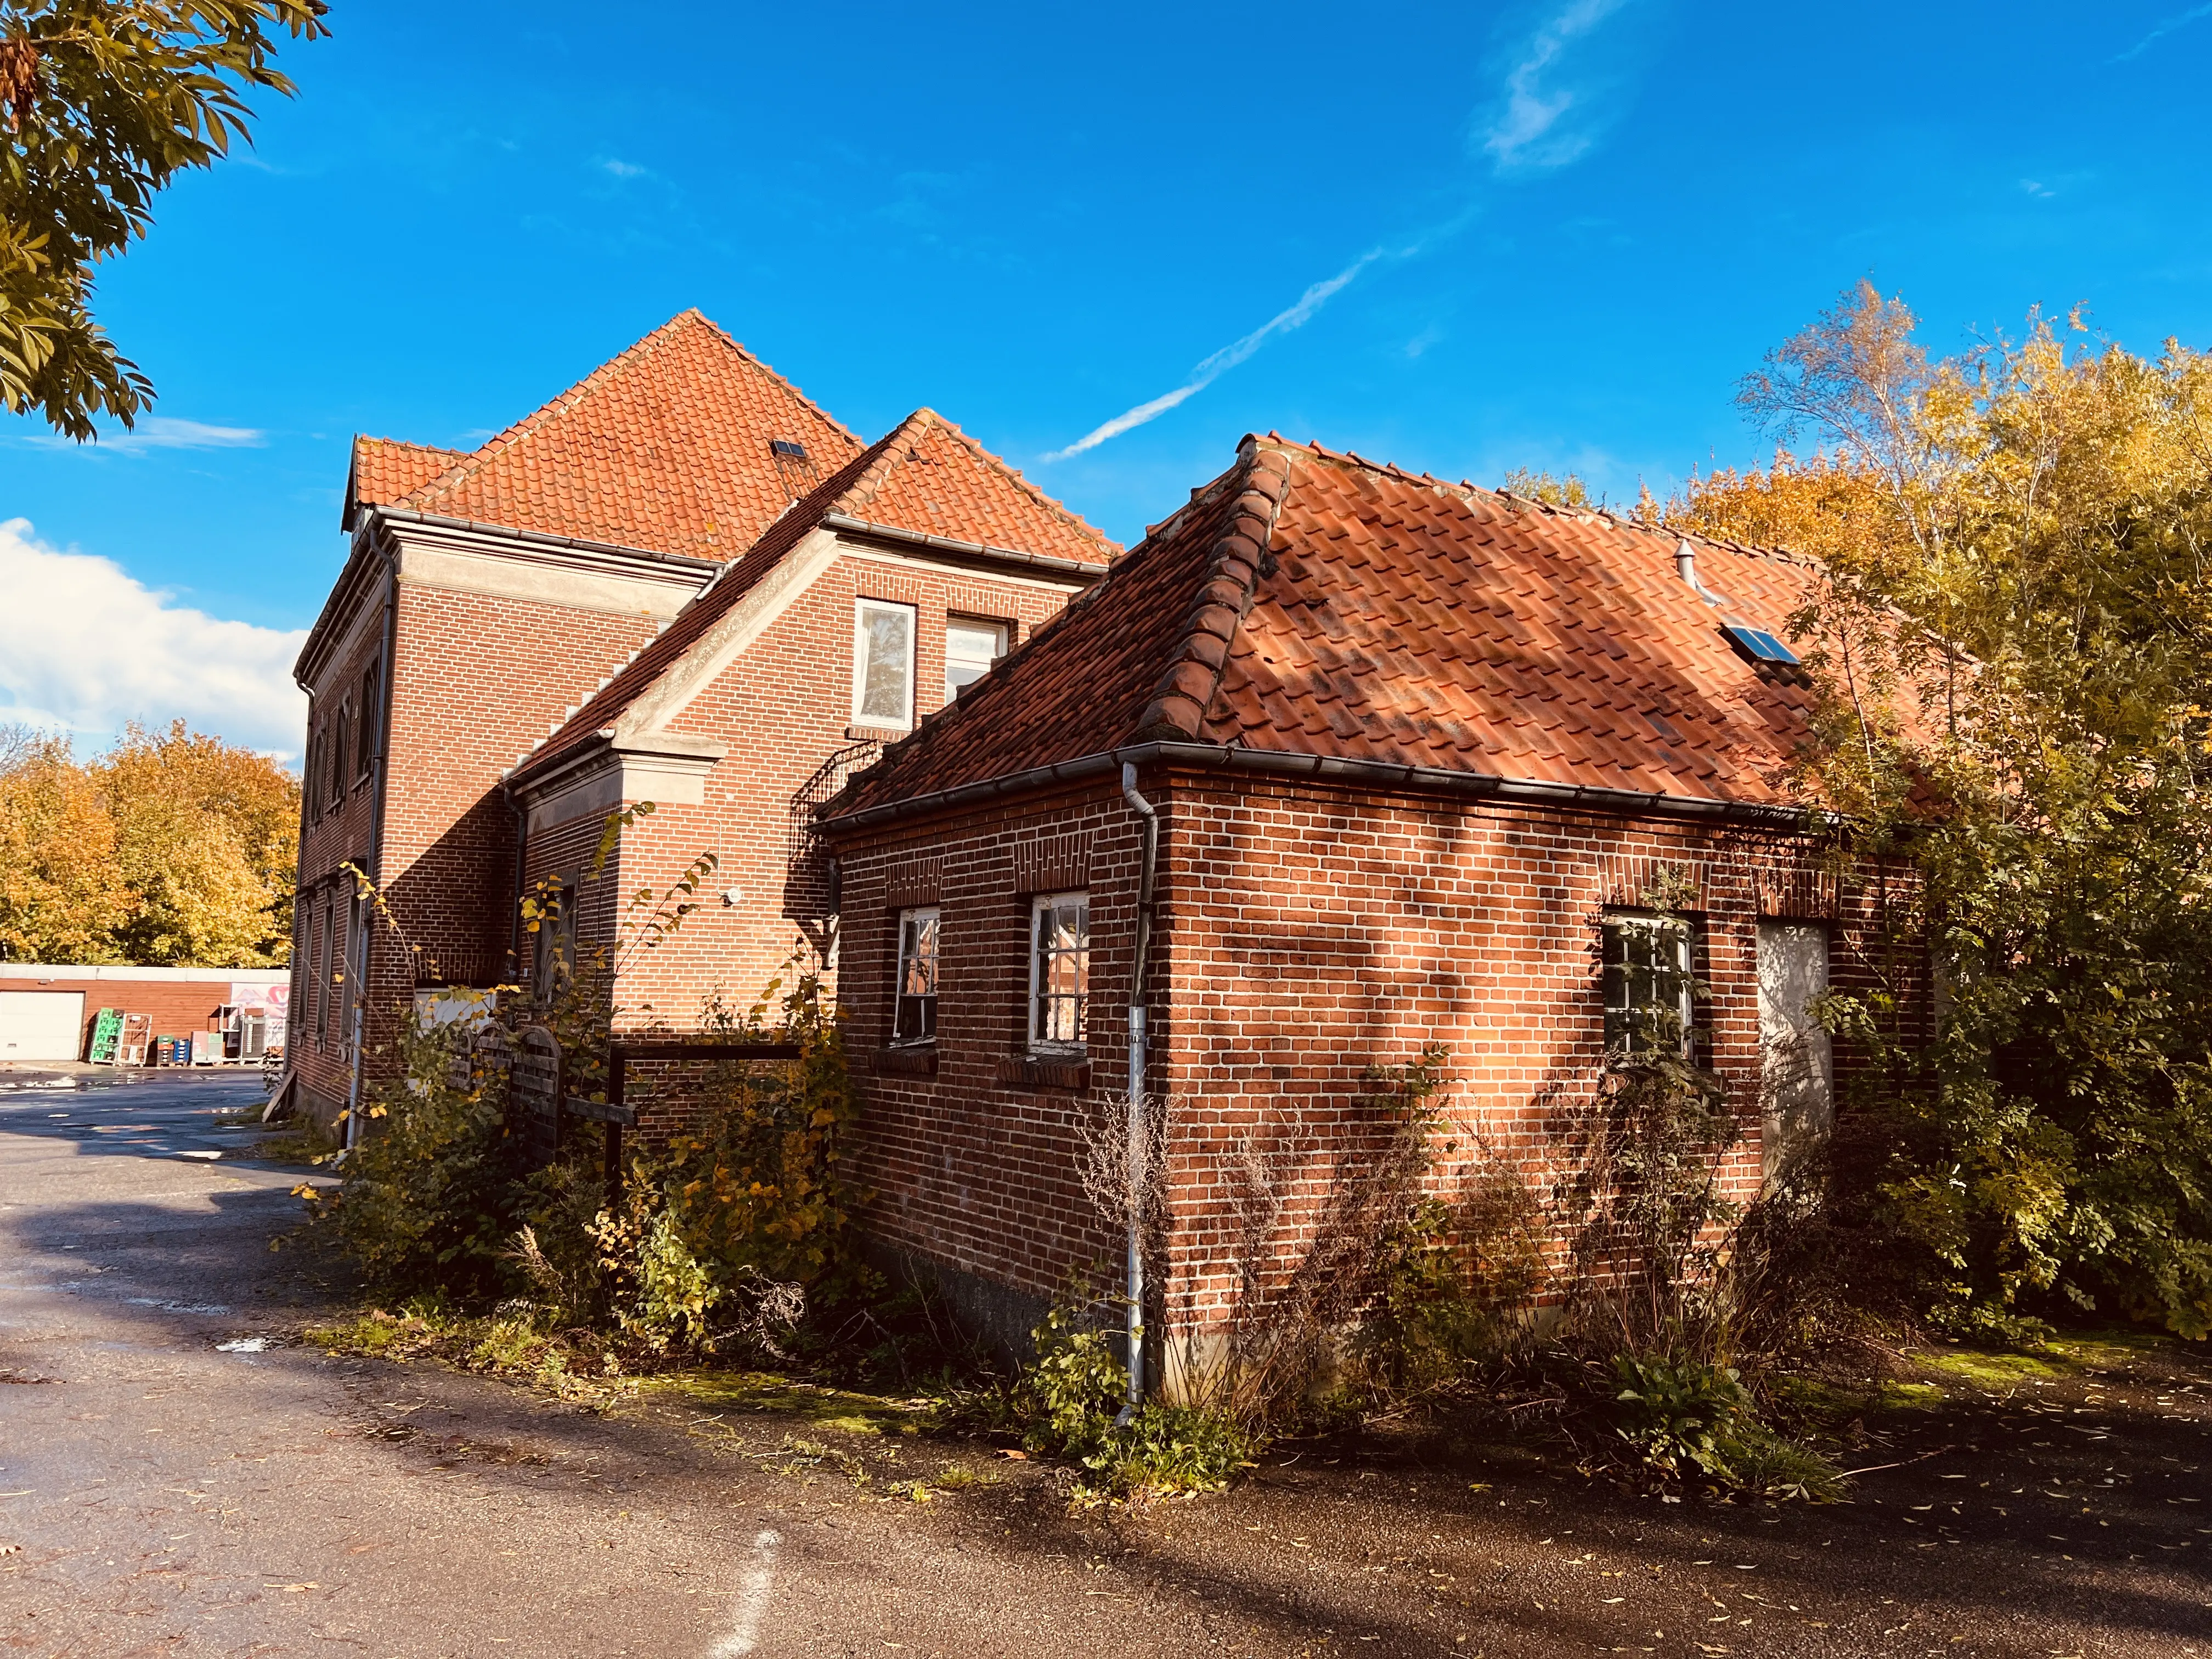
[913, 1019]
[883, 663]
[970, 647]
[1059, 973]
[1651, 988]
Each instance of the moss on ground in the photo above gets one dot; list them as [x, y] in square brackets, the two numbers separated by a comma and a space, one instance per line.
[767, 1394]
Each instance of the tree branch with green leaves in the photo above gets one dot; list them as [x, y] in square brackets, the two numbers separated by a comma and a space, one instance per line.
[105, 102]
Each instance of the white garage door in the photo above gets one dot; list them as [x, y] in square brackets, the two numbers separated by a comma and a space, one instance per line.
[40, 1024]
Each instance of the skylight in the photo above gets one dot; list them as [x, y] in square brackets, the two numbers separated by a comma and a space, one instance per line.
[786, 450]
[1757, 645]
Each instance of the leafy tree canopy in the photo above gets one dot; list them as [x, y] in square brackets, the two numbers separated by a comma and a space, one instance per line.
[2014, 642]
[104, 102]
[173, 850]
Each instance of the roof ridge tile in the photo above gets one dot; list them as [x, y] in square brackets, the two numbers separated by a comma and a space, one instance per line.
[1185, 686]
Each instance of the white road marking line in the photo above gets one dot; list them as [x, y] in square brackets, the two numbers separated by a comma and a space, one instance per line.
[752, 1600]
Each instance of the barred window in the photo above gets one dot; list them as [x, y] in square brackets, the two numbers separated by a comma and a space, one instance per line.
[1059, 973]
[1649, 987]
[915, 1018]
[318, 972]
[337, 758]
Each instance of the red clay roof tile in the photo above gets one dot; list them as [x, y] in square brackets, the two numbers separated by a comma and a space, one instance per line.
[926, 476]
[1398, 619]
[385, 470]
[667, 448]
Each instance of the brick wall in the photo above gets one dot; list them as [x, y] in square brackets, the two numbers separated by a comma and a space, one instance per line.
[338, 827]
[1304, 933]
[476, 681]
[783, 707]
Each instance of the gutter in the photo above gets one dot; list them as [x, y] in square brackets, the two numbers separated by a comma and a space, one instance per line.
[301, 967]
[1482, 786]
[514, 804]
[889, 533]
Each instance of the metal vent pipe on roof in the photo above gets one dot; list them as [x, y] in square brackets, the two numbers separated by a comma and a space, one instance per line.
[1686, 567]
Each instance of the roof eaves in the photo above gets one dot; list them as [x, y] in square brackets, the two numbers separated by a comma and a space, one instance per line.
[398, 514]
[891, 532]
[1520, 791]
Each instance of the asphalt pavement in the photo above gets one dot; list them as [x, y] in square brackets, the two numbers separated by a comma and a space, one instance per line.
[181, 1474]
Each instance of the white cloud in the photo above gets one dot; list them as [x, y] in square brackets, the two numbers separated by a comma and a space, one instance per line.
[158, 432]
[85, 644]
[623, 169]
[1532, 129]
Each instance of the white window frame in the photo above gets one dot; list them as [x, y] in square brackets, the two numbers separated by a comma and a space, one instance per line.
[918, 915]
[1040, 1043]
[861, 608]
[1620, 1029]
[977, 624]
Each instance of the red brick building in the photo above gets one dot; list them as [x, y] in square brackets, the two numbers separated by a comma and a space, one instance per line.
[588, 556]
[1418, 753]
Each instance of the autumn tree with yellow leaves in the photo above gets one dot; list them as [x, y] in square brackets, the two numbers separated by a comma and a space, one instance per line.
[171, 849]
[2013, 641]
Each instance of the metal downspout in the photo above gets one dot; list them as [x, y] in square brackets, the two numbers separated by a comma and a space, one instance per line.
[1139, 1149]
[386, 688]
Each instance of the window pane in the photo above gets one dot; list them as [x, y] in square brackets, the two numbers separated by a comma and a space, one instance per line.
[885, 668]
[1650, 992]
[915, 1019]
[1061, 971]
[971, 648]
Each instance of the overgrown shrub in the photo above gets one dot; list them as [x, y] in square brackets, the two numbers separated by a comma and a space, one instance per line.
[1678, 1411]
[2009, 646]
[720, 1235]
[1069, 1403]
[427, 1203]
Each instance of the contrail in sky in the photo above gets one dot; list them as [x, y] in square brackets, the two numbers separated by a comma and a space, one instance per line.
[1526, 136]
[2165, 28]
[1222, 361]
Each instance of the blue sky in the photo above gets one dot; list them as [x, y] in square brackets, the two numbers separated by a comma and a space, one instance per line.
[1568, 229]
